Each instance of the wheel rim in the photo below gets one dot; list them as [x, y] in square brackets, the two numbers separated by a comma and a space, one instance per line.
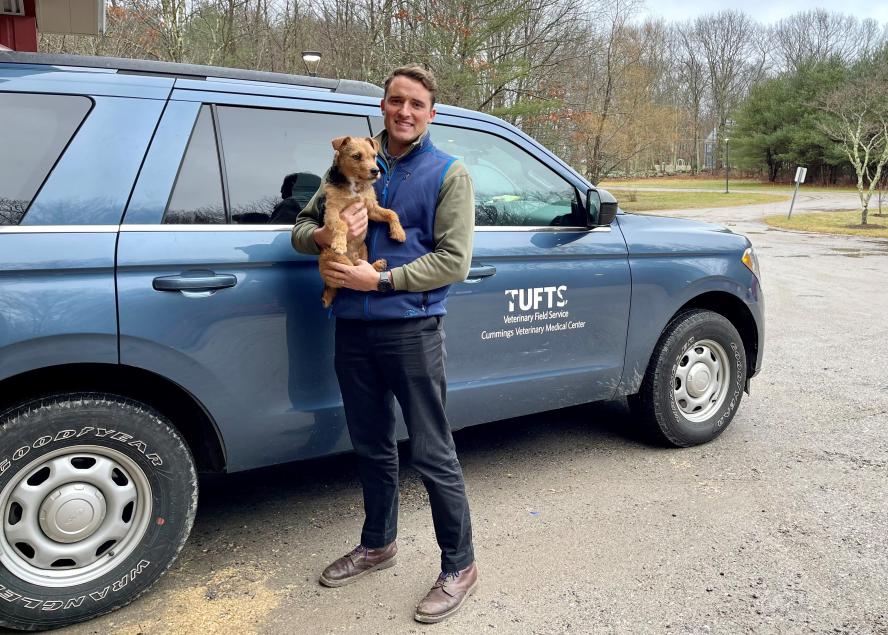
[72, 515]
[700, 384]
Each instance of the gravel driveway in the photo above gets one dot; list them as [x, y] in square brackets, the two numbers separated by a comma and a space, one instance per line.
[778, 526]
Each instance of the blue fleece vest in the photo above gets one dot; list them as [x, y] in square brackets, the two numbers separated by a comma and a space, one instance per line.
[411, 189]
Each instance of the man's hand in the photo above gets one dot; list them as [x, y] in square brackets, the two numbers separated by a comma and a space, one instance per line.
[360, 277]
[355, 218]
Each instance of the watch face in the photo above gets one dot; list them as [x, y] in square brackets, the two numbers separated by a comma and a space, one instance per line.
[384, 283]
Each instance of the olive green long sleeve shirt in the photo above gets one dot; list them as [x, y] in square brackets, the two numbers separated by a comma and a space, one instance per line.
[453, 232]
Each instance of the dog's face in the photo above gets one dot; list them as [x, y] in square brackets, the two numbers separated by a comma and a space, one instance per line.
[356, 158]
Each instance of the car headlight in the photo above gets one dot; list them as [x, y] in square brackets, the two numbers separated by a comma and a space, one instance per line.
[751, 261]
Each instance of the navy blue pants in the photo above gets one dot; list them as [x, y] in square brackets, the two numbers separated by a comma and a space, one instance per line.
[376, 363]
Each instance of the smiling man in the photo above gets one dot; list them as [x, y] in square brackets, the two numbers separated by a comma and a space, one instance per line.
[390, 339]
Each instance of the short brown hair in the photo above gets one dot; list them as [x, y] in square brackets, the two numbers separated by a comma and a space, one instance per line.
[417, 73]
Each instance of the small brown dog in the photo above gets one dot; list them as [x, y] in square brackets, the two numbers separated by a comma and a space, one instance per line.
[351, 179]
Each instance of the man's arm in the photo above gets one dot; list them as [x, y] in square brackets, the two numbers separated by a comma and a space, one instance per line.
[308, 222]
[454, 231]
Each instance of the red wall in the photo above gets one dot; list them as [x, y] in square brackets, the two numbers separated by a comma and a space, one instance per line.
[20, 33]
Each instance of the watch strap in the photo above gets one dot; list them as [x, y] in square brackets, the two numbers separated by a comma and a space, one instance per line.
[385, 282]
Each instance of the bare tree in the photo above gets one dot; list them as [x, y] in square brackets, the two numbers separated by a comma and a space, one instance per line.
[733, 49]
[693, 80]
[856, 117]
[618, 108]
[817, 35]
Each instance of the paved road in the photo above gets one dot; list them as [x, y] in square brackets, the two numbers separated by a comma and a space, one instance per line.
[779, 526]
[805, 202]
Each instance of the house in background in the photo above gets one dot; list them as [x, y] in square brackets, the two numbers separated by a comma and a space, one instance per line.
[20, 20]
[710, 154]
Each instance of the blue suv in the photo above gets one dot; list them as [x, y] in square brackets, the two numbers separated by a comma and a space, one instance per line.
[156, 322]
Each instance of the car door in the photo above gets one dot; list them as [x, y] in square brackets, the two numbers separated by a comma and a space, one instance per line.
[541, 321]
[211, 293]
[67, 165]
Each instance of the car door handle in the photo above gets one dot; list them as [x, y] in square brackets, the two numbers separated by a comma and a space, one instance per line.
[195, 281]
[478, 272]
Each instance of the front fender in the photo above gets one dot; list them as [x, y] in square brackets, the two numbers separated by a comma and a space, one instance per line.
[661, 287]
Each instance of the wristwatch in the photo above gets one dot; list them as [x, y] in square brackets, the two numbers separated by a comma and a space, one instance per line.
[385, 284]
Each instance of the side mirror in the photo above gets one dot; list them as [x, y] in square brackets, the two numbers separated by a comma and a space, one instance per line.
[607, 213]
[598, 212]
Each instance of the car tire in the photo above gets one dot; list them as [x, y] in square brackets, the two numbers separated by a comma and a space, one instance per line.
[694, 382]
[98, 494]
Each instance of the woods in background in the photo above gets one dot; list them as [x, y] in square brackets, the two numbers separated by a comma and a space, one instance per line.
[610, 92]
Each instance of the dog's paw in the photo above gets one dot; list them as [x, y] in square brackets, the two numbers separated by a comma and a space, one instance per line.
[397, 233]
[339, 246]
[380, 265]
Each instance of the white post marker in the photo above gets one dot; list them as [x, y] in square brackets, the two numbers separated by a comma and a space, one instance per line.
[799, 179]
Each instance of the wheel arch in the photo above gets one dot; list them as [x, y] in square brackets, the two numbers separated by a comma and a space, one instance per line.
[185, 412]
[734, 309]
[719, 301]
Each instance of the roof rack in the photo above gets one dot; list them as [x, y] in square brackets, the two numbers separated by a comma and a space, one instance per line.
[190, 71]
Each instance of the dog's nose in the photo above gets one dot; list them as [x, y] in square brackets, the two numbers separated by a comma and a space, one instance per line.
[374, 171]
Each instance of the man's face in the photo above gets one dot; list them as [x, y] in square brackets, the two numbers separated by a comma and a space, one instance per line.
[407, 109]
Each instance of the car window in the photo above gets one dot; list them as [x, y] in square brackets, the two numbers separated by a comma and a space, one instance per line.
[36, 130]
[512, 188]
[275, 159]
[197, 195]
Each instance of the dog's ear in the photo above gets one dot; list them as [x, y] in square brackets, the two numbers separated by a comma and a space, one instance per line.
[338, 142]
[374, 143]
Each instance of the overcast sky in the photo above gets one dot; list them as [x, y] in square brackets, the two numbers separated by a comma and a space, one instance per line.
[766, 11]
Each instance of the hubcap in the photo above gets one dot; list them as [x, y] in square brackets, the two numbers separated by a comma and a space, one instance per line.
[73, 512]
[701, 380]
[71, 515]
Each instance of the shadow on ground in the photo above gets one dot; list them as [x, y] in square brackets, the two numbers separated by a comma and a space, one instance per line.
[594, 425]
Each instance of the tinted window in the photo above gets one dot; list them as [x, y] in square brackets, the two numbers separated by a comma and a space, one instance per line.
[197, 195]
[511, 187]
[36, 129]
[263, 147]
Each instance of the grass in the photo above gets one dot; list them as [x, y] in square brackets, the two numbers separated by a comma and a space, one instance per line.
[718, 184]
[647, 200]
[839, 222]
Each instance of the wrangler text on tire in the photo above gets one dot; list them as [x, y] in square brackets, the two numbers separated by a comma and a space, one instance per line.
[98, 494]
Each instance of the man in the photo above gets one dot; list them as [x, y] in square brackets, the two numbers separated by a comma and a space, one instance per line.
[288, 209]
[390, 342]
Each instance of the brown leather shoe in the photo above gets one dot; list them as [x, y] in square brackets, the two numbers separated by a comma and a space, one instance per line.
[448, 594]
[357, 563]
